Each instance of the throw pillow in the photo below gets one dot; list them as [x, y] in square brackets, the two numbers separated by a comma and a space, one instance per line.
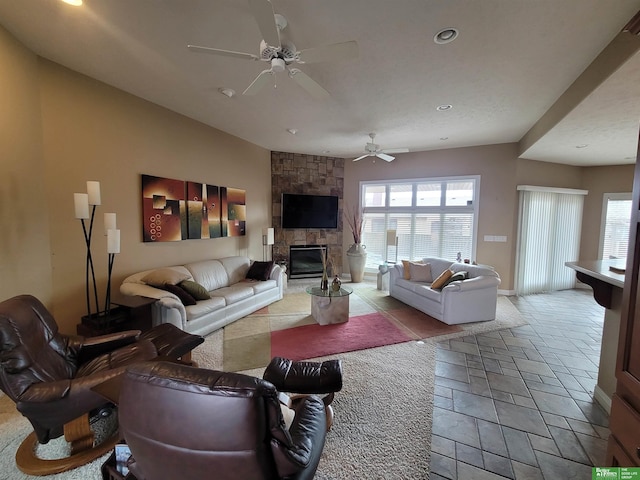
[406, 271]
[420, 272]
[184, 297]
[456, 276]
[194, 289]
[163, 276]
[439, 282]
[260, 271]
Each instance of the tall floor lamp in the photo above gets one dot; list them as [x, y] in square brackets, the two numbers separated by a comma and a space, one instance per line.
[268, 239]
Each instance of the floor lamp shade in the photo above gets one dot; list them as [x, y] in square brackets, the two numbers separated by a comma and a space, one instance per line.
[391, 238]
[268, 236]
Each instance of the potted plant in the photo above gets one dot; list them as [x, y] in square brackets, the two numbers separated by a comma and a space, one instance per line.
[356, 254]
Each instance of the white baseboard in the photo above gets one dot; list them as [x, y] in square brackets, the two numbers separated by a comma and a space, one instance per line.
[602, 398]
[506, 293]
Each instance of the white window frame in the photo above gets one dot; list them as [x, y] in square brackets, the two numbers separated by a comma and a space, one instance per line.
[413, 209]
[603, 219]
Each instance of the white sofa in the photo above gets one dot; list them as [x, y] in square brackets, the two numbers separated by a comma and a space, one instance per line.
[470, 300]
[233, 296]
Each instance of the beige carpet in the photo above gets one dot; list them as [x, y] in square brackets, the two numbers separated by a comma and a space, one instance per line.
[383, 414]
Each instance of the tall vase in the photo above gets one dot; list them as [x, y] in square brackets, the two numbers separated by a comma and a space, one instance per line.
[357, 257]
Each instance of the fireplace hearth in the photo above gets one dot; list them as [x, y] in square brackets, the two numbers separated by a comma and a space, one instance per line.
[305, 261]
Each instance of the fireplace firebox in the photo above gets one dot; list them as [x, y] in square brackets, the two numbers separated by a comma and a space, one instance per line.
[305, 261]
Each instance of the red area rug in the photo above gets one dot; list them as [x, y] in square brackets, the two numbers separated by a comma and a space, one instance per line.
[310, 341]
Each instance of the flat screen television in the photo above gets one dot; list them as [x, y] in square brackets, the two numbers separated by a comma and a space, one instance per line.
[309, 211]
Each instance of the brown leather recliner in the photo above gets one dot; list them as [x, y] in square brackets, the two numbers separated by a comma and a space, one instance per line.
[50, 375]
[192, 423]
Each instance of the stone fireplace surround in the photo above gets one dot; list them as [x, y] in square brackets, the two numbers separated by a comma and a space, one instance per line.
[312, 175]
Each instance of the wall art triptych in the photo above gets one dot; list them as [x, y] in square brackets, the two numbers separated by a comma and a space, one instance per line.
[176, 210]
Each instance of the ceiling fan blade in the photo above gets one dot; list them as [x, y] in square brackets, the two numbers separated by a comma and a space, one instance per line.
[309, 84]
[262, 10]
[260, 81]
[360, 158]
[226, 53]
[395, 150]
[385, 157]
[326, 53]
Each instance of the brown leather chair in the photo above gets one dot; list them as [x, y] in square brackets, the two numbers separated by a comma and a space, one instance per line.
[191, 423]
[50, 377]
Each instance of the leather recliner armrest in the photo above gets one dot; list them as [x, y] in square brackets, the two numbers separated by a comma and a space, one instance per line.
[308, 433]
[92, 347]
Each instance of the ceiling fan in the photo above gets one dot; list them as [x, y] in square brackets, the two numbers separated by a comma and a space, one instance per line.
[373, 150]
[282, 54]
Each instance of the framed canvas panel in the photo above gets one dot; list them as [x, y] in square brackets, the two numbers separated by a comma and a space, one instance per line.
[203, 210]
[234, 211]
[163, 209]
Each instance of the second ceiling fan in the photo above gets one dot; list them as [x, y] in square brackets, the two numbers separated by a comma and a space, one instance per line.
[373, 150]
[282, 54]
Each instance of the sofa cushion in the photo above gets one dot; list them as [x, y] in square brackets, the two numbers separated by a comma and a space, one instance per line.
[439, 265]
[259, 287]
[194, 289]
[420, 272]
[211, 274]
[236, 267]
[427, 292]
[439, 282]
[204, 306]
[164, 276]
[260, 271]
[183, 295]
[234, 293]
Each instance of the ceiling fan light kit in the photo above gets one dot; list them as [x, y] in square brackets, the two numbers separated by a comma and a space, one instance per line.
[281, 54]
[371, 149]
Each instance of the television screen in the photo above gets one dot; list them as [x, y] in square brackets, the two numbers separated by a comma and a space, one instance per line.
[309, 211]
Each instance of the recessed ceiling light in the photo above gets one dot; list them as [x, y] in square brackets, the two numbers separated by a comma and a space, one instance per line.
[326, 151]
[443, 108]
[75, 3]
[227, 92]
[292, 131]
[582, 145]
[446, 35]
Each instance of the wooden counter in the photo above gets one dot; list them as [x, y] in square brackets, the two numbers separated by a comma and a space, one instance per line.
[607, 288]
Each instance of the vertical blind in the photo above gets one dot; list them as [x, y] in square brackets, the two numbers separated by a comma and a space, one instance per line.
[548, 236]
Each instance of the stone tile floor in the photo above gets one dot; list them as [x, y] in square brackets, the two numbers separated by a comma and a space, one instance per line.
[517, 403]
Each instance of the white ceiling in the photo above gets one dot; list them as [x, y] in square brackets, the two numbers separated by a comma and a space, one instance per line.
[511, 62]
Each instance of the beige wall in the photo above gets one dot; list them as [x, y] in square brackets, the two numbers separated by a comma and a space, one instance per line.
[59, 129]
[600, 180]
[25, 253]
[91, 131]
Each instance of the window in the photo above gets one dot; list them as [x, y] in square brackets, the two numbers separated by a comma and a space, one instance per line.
[614, 231]
[432, 217]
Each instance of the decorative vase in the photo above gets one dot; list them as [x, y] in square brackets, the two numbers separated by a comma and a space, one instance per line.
[324, 283]
[357, 257]
[335, 285]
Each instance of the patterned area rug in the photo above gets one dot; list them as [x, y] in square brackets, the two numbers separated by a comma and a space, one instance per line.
[286, 328]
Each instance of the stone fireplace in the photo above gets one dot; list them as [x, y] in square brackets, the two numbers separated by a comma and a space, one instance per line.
[306, 174]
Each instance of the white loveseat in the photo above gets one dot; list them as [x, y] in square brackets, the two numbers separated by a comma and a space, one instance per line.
[471, 300]
[232, 295]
